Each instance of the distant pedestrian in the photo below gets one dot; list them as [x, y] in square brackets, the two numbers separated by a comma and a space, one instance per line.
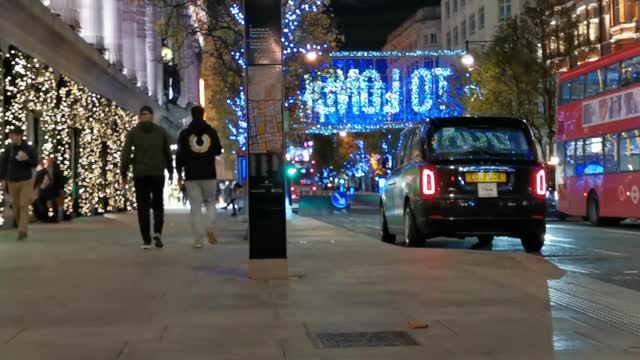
[236, 194]
[198, 146]
[17, 165]
[50, 182]
[147, 149]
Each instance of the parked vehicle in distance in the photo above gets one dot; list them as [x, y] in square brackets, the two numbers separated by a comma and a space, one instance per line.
[466, 176]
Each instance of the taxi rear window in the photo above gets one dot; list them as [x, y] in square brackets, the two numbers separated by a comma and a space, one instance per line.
[468, 142]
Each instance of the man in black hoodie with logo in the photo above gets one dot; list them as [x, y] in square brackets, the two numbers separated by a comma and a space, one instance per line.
[147, 149]
[198, 146]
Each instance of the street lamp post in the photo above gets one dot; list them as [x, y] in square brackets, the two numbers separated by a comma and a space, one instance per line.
[467, 59]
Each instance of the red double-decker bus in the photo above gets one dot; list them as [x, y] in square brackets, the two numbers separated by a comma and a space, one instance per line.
[598, 139]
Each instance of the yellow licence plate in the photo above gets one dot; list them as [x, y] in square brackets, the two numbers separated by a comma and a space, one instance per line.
[485, 177]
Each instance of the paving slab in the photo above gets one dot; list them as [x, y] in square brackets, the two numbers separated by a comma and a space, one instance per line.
[84, 290]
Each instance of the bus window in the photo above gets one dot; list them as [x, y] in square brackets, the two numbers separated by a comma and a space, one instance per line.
[613, 76]
[565, 92]
[611, 153]
[577, 88]
[593, 156]
[570, 158]
[631, 71]
[580, 165]
[630, 151]
[594, 84]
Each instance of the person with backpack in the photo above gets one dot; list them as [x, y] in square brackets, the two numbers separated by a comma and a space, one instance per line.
[198, 147]
[17, 166]
[147, 148]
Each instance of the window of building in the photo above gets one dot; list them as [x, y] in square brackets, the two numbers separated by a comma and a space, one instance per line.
[446, 9]
[594, 83]
[616, 12]
[462, 3]
[629, 147]
[455, 5]
[463, 28]
[613, 76]
[577, 88]
[481, 18]
[504, 10]
[629, 10]
[448, 40]
[455, 36]
[631, 71]
[433, 38]
[472, 24]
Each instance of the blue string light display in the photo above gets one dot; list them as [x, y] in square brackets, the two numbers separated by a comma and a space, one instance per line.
[358, 164]
[381, 90]
[238, 129]
[294, 11]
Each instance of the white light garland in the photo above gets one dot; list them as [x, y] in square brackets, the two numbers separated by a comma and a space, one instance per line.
[65, 107]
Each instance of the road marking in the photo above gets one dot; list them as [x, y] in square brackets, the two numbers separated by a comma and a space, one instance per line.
[632, 272]
[612, 253]
[554, 238]
[592, 228]
[578, 269]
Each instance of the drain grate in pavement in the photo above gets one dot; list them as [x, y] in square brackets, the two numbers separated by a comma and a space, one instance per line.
[362, 339]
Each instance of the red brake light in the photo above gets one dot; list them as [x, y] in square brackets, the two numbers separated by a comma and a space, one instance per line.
[428, 182]
[540, 182]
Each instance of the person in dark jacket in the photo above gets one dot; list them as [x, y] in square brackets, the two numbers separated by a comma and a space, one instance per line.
[50, 181]
[198, 146]
[17, 164]
[147, 148]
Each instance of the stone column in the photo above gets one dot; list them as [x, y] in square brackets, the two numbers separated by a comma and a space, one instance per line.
[112, 21]
[153, 50]
[141, 45]
[67, 10]
[91, 22]
[128, 39]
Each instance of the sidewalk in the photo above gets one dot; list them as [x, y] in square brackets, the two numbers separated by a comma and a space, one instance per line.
[87, 291]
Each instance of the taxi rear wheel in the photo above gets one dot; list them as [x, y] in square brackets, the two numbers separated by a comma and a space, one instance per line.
[532, 242]
[412, 236]
[485, 239]
[385, 235]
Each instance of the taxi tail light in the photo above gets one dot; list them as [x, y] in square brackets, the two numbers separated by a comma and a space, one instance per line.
[540, 182]
[428, 182]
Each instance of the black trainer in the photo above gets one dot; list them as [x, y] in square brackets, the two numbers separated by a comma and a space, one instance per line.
[158, 241]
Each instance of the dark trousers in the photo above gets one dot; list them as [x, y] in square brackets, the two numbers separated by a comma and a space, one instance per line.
[149, 195]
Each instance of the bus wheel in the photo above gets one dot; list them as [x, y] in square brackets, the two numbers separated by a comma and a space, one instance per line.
[593, 213]
[593, 210]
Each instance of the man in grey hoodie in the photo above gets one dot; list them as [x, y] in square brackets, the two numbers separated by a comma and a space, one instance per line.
[147, 149]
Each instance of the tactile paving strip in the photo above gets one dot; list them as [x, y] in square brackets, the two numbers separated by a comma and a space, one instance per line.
[585, 301]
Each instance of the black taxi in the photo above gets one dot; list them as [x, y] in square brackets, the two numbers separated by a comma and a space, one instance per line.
[466, 177]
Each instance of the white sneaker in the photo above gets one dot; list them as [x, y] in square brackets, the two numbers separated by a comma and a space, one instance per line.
[197, 245]
[146, 246]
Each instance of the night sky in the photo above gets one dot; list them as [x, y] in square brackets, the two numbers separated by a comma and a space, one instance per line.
[366, 23]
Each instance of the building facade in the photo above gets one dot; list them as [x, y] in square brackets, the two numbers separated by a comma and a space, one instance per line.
[602, 27]
[420, 32]
[74, 74]
[474, 20]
